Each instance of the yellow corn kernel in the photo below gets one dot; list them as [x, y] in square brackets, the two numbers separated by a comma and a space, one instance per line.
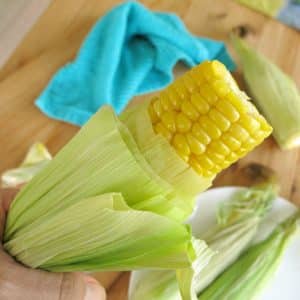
[263, 124]
[181, 90]
[180, 143]
[189, 83]
[205, 162]
[232, 157]
[195, 165]
[219, 119]
[216, 158]
[208, 173]
[241, 151]
[238, 132]
[208, 94]
[209, 127]
[161, 129]
[198, 75]
[249, 143]
[183, 123]
[241, 105]
[249, 123]
[174, 99]
[153, 116]
[200, 134]
[195, 146]
[258, 135]
[165, 102]
[231, 142]
[200, 104]
[219, 147]
[168, 119]
[157, 107]
[218, 69]
[228, 110]
[188, 109]
[221, 88]
[183, 155]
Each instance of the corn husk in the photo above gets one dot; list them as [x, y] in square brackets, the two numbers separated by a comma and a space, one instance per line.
[238, 221]
[52, 224]
[274, 93]
[36, 159]
[247, 276]
[103, 233]
[167, 284]
[267, 7]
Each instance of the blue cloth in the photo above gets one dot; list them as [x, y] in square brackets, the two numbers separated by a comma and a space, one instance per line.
[130, 51]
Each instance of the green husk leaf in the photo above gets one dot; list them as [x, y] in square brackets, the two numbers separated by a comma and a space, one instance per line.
[36, 159]
[102, 158]
[274, 93]
[247, 276]
[103, 233]
[268, 7]
[168, 284]
[238, 221]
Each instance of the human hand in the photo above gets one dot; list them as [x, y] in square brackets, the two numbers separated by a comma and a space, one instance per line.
[21, 283]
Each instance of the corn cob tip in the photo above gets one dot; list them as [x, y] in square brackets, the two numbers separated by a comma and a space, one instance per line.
[207, 119]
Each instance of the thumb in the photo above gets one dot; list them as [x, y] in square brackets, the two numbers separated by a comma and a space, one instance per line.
[80, 287]
[94, 291]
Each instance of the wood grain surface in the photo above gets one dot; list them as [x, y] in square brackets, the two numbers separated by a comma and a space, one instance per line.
[56, 37]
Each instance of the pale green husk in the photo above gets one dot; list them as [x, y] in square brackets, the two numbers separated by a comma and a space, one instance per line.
[102, 233]
[238, 221]
[247, 276]
[167, 284]
[36, 159]
[274, 93]
[267, 7]
[102, 158]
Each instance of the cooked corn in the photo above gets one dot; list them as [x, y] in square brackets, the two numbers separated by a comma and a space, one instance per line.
[207, 119]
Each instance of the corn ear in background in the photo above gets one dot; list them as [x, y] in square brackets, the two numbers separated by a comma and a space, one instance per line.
[247, 276]
[238, 220]
[274, 93]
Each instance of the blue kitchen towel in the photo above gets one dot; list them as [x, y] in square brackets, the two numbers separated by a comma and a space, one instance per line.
[130, 51]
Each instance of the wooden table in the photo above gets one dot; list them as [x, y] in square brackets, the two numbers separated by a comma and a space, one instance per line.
[56, 37]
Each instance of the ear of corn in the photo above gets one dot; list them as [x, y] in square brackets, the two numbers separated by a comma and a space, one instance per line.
[274, 93]
[238, 221]
[125, 155]
[207, 119]
[246, 277]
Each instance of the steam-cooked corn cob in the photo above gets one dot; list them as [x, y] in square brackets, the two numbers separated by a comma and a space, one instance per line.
[207, 119]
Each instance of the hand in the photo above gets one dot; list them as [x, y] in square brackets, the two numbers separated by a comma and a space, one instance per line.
[20, 283]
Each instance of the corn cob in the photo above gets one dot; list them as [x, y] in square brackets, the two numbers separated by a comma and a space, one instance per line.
[207, 119]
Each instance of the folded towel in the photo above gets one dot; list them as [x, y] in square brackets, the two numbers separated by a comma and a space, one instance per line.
[130, 51]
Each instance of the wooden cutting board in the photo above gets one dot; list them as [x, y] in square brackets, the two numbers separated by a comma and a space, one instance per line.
[56, 37]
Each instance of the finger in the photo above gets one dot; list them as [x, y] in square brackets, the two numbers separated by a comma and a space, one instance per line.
[94, 291]
[6, 197]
